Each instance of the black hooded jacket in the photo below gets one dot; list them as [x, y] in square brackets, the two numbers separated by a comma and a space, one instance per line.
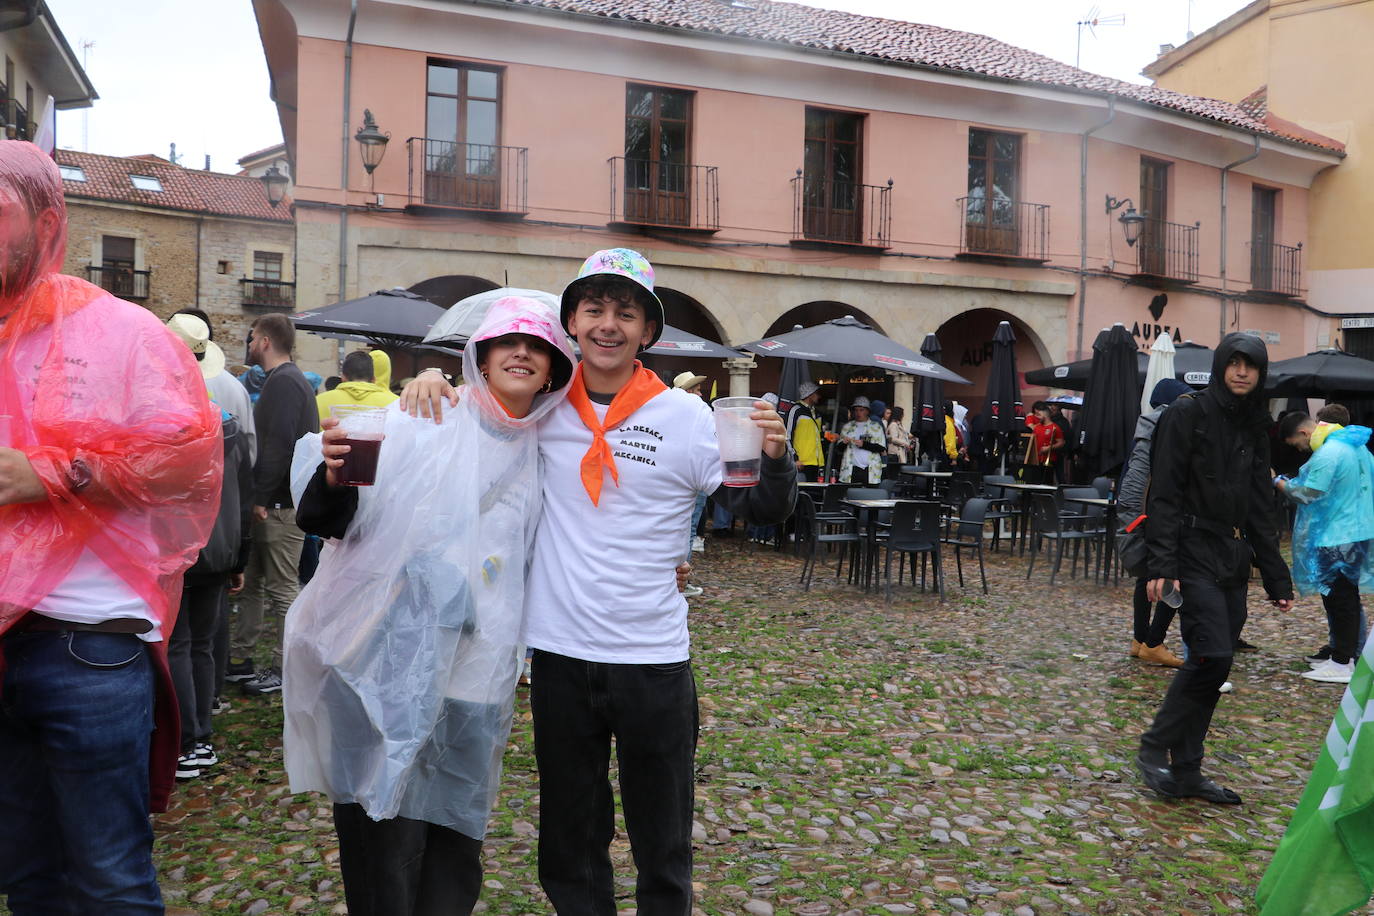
[1210, 482]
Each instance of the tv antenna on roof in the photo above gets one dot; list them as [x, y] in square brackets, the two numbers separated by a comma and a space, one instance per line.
[1091, 21]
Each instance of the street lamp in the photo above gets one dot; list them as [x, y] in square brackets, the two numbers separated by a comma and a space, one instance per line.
[276, 184]
[372, 141]
[1131, 221]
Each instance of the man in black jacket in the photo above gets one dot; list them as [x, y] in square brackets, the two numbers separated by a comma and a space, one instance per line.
[285, 411]
[1210, 516]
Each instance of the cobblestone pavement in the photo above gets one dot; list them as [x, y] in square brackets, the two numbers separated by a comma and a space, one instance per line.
[863, 758]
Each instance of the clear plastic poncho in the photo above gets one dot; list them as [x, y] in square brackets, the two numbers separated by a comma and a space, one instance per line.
[1334, 528]
[402, 654]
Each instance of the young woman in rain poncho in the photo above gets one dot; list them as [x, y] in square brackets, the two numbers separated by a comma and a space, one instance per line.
[402, 654]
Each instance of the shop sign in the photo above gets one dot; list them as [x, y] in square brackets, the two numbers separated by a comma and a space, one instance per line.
[1146, 332]
[1356, 324]
[976, 356]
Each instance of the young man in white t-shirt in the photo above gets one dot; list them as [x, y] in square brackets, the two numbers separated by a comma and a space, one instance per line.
[623, 459]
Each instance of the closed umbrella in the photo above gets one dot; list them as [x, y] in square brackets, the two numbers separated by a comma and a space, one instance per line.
[1003, 414]
[1111, 404]
[794, 373]
[387, 316]
[1161, 366]
[929, 425]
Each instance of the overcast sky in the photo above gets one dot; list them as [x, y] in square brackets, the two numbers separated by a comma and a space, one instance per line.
[208, 92]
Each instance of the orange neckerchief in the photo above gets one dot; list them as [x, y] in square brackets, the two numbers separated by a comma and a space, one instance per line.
[642, 386]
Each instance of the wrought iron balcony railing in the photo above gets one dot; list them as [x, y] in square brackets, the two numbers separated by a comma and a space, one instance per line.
[268, 294]
[1276, 268]
[124, 282]
[1168, 250]
[467, 176]
[1003, 228]
[680, 195]
[826, 210]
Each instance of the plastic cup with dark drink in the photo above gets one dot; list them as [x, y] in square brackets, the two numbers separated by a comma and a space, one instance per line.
[362, 426]
[741, 441]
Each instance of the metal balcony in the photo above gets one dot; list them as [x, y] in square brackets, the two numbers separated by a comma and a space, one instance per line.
[467, 176]
[1003, 229]
[1167, 250]
[841, 212]
[124, 282]
[668, 194]
[1276, 269]
[268, 294]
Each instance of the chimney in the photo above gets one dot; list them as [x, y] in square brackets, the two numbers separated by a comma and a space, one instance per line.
[1165, 49]
[207, 162]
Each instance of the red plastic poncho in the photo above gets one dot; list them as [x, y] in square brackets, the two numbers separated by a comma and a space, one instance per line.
[102, 390]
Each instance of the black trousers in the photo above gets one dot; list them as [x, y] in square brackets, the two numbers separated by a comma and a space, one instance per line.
[1149, 631]
[190, 653]
[1211, 619]
[1342, 605]
[651, 712]
[403, 867]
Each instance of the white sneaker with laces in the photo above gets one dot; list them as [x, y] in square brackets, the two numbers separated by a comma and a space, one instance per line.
[1331, 672]
[1227, 687]
[698, 545]
[691, 591]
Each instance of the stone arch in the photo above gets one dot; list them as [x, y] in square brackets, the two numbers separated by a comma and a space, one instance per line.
[451, 288]
[966, 339]
[686, 313]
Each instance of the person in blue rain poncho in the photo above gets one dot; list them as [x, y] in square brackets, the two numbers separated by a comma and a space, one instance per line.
[1332, 534]
[402, 654]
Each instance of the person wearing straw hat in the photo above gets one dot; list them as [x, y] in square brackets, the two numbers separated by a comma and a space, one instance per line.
[624, 458]
[689, 382]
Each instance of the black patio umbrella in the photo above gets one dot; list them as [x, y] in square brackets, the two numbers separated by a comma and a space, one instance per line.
[849, 342]
[387, 316]
[1329, 374]
[1111, 405]
[677, 342]
[1192, 364]
[1003, 414]
[928, 426]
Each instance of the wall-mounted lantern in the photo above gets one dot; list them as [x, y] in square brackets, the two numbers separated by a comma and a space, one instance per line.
[1131, 221]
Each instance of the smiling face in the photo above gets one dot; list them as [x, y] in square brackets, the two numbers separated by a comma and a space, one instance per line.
[610, 332]
[516, 367]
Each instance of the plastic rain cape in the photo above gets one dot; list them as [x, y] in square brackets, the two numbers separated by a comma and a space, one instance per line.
[1335, 520]
[402, 654]
[89, 378]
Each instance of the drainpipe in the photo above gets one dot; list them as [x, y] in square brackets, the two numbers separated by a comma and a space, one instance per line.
[1083, 223]
[343, 170]
[1225, 173]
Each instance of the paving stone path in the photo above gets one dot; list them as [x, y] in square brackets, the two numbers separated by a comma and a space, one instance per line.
[863, 758]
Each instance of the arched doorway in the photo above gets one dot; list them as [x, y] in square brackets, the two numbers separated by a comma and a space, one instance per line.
[687, 314]
[445, 291]
[871, 383]
[966, 340]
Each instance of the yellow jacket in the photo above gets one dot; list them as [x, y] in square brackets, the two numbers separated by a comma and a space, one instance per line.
[368, 393]
[381, 368]
[806, 438]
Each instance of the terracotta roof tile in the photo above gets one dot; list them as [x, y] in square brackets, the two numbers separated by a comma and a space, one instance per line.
[909, 43]
[107, 178]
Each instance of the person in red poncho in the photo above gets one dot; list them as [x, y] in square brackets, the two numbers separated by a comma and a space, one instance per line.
[110, 464]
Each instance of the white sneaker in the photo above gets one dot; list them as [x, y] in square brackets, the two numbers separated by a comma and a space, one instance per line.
[1226, 687]
[698, 545]
[691, 591]
[1330, 672]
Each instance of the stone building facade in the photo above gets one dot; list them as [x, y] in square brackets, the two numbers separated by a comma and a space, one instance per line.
[167, 237]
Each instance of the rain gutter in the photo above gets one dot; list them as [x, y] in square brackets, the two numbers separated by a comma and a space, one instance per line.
[1083, 222]
[1225, 173]
[343, 169]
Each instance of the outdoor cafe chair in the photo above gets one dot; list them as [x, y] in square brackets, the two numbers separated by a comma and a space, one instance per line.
[967, 534]
[1003, 504]
[832, 510]
[915, 530]
[1104, 486]
[812, 533]
[1046, 523]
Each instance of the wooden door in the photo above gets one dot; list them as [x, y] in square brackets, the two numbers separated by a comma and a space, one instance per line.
[1154, 206]
[1263, 208]
[832, 179]
[658, 177]
[992, 212]
[462, 156]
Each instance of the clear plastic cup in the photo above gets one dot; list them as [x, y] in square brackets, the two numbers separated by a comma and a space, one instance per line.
[363, 426]
[740, 439]
[1170, 595]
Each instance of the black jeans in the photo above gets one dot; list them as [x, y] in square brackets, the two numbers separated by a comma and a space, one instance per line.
[190, 654]
[404, 867]
[651, 711]
[1342, 605]
[1147, 631]
[1211, 619]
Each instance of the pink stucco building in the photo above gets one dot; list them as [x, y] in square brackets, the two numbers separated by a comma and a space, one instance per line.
[781, 165]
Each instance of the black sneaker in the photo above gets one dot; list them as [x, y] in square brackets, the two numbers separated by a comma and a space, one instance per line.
[268, 681]
[186, 767]
[239, 670]
[1320, 655]
[204, 755]
[1243, 646]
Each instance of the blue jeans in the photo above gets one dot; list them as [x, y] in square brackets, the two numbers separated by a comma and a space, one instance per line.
[696, 520]
[651, 710]
[76, 714]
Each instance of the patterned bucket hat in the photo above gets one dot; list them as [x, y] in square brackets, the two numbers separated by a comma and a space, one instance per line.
[617, 262]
